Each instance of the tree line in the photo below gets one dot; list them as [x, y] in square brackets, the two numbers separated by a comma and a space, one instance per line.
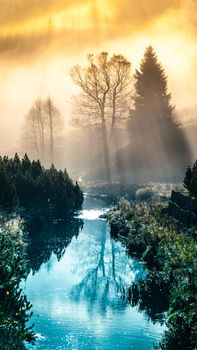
[27, 184]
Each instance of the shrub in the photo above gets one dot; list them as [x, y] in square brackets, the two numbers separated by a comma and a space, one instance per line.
[14, 306]
[169, 252]
[190, 181]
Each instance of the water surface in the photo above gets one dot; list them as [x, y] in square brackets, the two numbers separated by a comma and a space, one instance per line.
[77, 296]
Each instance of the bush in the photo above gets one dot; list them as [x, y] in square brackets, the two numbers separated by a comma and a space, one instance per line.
[190, 181]
[169, 253]
[14, 306]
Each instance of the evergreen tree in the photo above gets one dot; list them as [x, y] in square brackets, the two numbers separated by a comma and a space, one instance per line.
[33, 187]
[8, 196]
[158, 145]
[26, 164]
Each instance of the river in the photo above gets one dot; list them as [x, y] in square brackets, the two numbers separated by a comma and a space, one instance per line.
[77, 295]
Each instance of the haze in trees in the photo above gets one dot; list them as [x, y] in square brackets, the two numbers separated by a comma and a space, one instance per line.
[157, 147]
[102, 105]
[42, 130]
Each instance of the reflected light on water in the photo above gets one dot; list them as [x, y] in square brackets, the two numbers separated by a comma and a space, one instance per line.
[91, 214]
[78, 303]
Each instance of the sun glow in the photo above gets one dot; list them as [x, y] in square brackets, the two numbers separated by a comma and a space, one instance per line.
[77, 16]
[40, 40]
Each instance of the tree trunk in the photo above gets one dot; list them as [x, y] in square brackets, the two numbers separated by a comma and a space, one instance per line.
[41, 132]
[42, 140]
[106, 153]
[35, 138]
[51, 136]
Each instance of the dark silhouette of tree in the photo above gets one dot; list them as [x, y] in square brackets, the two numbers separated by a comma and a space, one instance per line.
[105, 85]
[30, 186]
[41, 130]
[47, 237]
[104, 270]
[158, 148]
[8, 197]
[190, 180]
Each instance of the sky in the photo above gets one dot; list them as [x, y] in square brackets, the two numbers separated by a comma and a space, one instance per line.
[40, 40]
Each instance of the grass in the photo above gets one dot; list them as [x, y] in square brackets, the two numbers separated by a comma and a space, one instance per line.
[169, 251]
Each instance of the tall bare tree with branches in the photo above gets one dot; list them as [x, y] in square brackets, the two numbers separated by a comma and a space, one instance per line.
[105, 85]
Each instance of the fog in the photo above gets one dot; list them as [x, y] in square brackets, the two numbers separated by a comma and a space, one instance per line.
[41, 40]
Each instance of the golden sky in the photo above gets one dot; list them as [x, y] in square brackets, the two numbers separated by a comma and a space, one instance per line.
[41, 39]
[31, 26]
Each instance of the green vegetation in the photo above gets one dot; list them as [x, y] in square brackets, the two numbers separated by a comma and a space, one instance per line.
[44, 195]
[14, 306]
[168, 251]
[26, 184]
[190, 181]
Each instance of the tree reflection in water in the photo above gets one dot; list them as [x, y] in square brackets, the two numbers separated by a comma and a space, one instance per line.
[47, 237]
[105, 270]
[80, 302]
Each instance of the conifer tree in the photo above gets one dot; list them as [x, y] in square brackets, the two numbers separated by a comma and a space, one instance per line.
[158, 144]
[28, 185]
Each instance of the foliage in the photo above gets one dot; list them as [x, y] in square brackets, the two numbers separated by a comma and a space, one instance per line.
[169, 252]
[7, 191]
[14, 306]
[31, 186]
[153, 128]
[190, 181]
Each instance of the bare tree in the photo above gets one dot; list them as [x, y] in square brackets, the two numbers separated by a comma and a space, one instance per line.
[54, 123]
[105, 89]
[41, 129]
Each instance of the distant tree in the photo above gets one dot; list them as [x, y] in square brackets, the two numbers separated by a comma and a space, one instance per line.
[105, 85]
[41, 130]
[158, 143]
[53, 119]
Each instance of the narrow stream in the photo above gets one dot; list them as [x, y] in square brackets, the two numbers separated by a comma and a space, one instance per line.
[77, 296]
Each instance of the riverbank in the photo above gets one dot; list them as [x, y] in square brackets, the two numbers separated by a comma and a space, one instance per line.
[77, 292]
[152, 192]
[15, 309]
[168, 250]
